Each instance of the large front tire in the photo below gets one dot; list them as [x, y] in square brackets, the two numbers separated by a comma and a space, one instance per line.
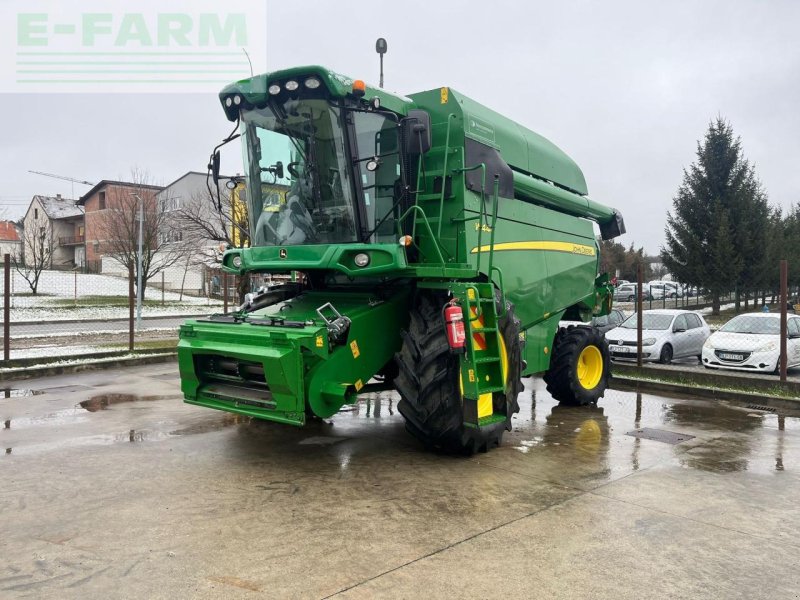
[579, 367]
[429, 383]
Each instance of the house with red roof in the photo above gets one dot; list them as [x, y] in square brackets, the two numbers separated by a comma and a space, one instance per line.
[10, 240]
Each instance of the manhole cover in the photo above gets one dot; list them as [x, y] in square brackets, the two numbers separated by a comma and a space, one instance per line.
[660, 435]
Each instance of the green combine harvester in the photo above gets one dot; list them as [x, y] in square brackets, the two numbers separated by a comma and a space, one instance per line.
[435, 246]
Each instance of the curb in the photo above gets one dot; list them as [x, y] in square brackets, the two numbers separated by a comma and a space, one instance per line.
[633, 384]
[61, 369]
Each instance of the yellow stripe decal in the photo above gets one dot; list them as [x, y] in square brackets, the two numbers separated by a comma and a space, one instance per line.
[567, 247]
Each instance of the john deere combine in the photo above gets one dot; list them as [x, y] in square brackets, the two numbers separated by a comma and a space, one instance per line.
[436, 246]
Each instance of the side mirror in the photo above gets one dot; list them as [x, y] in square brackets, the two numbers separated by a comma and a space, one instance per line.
[416, 132]
[214, 166]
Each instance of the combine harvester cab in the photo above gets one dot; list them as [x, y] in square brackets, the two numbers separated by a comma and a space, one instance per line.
[438, 244]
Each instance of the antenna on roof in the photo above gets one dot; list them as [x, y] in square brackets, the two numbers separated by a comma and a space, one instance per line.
[248, 60]
[72, 179]
[381, 47]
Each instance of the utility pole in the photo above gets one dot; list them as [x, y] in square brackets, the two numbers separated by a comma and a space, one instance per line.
[381, 47]
[139, 264]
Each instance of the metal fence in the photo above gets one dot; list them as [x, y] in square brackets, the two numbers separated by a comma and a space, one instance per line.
[749, 334]
[73, 315]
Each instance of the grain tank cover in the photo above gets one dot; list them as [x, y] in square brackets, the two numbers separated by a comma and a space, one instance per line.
[523, 149]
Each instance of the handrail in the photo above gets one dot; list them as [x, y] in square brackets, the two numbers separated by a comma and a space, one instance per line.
[427, 225]
[482, 167]
[496, 201]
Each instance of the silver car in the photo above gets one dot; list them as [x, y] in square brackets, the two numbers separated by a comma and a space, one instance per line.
[666, 334]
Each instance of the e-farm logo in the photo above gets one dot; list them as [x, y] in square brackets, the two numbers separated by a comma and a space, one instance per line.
[150, 47]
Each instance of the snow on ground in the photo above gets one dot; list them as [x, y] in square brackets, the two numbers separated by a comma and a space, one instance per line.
[56, 287]
[62, 284]
[105, 313]
[78, 361]
[58, 350]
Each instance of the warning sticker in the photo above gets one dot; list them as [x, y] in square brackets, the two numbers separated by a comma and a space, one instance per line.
[354, 349]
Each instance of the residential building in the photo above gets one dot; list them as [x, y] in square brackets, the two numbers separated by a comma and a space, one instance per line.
[10, 240]
[99, 204]
[188, 195]
[61, 221]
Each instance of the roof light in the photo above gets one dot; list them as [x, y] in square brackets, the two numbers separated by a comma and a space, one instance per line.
[237, 100]
[291, 85]
[228, 101]
[359, 88]
[312, 83]
[274, 89]
[375, 102]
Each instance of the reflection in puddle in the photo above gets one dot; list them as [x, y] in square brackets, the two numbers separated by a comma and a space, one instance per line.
[103, 401]
[205, 425]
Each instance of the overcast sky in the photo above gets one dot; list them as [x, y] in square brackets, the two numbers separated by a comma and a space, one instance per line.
[625, 88]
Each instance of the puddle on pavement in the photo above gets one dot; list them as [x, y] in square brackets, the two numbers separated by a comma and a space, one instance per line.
[217, 422]
[103, 401]
[715, 436]
[18, 393]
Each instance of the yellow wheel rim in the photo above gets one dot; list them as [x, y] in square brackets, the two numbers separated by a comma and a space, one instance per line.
[590, 367]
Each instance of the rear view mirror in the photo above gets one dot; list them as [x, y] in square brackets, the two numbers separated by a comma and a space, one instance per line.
[214, 166]
[416, 132]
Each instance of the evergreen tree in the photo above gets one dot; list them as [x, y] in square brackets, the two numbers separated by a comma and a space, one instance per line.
[716, 232]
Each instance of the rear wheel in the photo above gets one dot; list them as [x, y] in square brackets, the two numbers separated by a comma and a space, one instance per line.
[579, 367]
[429, 382]
[666, 354]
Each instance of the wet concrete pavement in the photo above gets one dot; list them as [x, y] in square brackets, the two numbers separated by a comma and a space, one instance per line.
[103, 494]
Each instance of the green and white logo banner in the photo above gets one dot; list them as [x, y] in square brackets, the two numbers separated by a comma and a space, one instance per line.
[144, 46]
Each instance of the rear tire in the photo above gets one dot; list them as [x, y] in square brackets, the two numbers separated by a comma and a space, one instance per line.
[579, 367]
[429, 382]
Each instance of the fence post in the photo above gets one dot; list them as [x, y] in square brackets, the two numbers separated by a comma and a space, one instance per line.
[162, 288]
[225, 292]
[75, 286]
[640, 316]
[131, 299]
[6, 307]
[784, 299]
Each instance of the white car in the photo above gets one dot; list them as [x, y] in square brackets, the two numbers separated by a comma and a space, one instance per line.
[666, 334]
[751, 342]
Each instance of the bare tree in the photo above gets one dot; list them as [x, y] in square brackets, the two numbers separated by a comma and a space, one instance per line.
[222, 219]
[161, 247]
[35, 254]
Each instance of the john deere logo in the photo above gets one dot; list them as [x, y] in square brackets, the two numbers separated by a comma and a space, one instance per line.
[282, 253]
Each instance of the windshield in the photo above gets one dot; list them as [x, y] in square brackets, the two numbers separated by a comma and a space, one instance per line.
[650, 321]
[303, 176]
[751, 324]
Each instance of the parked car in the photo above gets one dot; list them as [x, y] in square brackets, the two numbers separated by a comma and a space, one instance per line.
[751, 342]
[666, 334]
[610, 321]
[628, 291]
[613, 319]
[665, 289]
[620, 282]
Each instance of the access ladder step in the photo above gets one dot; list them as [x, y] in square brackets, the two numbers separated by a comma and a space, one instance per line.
[486, 359]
